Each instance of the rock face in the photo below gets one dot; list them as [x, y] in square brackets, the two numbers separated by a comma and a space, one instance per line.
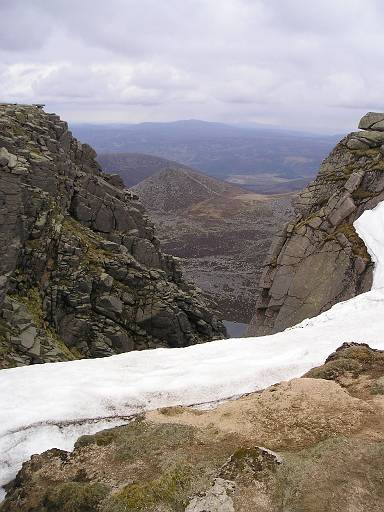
[313, 444]
[319, 260]
[81, 272]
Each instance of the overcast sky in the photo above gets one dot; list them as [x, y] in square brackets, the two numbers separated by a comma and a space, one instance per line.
[312, 65]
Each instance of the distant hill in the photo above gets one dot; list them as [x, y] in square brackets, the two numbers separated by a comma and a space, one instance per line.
[136, 167]
[220, 231]
[179, 188]
[218, 149]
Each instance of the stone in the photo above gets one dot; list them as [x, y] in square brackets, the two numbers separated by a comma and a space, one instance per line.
[371, 137]
[184, 323]
[104, 220]
[115, 180]
[355, 143]
[216, 499]
[100, 348]
[315, 222]
[378, 126]
[370, 119]
[342, 210]
[128, 298]
[3, 161]
[360, 265]
[354, 181]
[109, 303]
[81, 211]
[11, 159]
[203, 327]
[36, 349]
[27, 337]
[72, 329]
[122, 341]
[105, 282]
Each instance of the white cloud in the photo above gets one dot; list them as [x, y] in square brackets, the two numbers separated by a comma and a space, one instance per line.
[298, 63]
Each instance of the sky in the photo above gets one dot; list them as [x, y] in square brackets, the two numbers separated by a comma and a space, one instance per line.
[299, 64]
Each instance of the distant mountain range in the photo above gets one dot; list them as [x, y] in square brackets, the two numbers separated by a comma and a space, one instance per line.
[224, 151]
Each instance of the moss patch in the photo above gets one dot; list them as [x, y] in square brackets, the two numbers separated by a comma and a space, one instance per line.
[337, 474]
[94, 255]
[170, 489]
[357, 244]
[251, 462]
[75, 497]
[355, 359]
[102, 438]
[334, 369]
[164, 464]
[33, 302]
[378, 387]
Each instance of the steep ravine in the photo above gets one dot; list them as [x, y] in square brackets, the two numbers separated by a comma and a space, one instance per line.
[81, 271]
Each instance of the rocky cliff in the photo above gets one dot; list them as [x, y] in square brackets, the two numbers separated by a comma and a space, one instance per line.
[319, 260]
[81, 272]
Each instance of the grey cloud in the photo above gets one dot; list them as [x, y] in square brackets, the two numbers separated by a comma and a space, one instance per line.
[25, 25]
[291, 62]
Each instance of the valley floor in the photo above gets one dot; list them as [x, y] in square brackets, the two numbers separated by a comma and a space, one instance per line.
[222, 244]
[45, 406]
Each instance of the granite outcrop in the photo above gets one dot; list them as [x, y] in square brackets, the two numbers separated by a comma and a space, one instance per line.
[81, 270]
[319, 259]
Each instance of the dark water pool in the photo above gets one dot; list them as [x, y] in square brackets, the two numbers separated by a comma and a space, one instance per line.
[235, 329]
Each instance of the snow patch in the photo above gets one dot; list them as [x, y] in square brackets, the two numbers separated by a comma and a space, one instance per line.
[51, 405]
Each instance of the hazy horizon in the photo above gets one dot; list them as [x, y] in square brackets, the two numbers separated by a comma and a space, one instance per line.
[290, 64]
[247, 126]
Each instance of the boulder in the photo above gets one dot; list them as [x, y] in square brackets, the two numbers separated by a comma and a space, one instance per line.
[371, 120]
[343, 209]
[115, 180]
[109, 304]
[7, 158]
